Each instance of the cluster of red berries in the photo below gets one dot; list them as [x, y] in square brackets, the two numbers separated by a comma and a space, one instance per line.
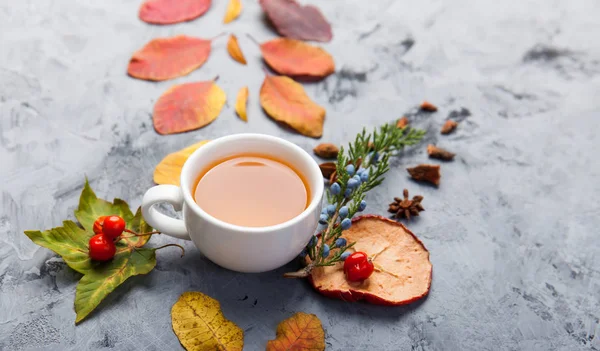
[358, 267]
[107, 230]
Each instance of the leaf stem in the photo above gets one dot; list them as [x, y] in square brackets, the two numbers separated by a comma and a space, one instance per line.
[252, 38]
[179, 246]
[218, 36]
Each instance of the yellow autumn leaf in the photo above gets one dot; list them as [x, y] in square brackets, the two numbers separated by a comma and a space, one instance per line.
[234, 8]
[286, 102]
[240, 104]
[234, 50]
[200, 325]
[169, 169]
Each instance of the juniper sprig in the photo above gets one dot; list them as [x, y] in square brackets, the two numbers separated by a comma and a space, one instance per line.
[358, 170]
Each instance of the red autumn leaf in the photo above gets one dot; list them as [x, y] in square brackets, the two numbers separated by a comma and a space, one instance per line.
[187, 107]
[292, 20]
[292, 57]
[167, 58]
[172, 11]
[300, 332]
[402, 267]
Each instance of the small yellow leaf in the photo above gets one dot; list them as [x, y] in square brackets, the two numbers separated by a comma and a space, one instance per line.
[169, 169]
[300, 332]
[233, 48]
[240, 104]
[200, 325]
[234, 8]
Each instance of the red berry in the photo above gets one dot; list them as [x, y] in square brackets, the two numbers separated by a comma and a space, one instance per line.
[358, 267]
[102, 248]
[113, 226]
[98, 224]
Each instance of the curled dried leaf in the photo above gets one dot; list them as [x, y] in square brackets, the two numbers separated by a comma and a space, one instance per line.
[449, 127]
[328, 169]
[439, 153]
[300, 332]
[286, 102]
[428, 106]
[402, 267]
[200, 325]
[169, 11]
[240, 104]
[402, 122]
[168, 171]
[292, 57]
[293, 20]
[234, 8]
[187, 107]
[426, 172]
[326, 150]
[234, 50]
[333, 177]
[167, 58]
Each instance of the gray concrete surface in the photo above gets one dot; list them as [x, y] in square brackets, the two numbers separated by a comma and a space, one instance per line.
[512, 230]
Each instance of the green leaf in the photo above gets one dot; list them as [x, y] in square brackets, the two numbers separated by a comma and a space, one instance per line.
[138, 225]
[91, 207]
[103, 279]
[69, 241]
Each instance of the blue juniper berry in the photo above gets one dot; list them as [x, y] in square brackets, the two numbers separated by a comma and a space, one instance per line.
[362, 205]
[343, 212]
[335, 189]
[340, 242]
[346, 223]
[350, 170]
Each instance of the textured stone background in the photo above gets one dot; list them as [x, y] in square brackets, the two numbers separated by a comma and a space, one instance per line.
[512, 230]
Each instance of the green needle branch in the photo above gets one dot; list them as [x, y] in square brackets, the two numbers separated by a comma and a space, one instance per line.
[358, 170]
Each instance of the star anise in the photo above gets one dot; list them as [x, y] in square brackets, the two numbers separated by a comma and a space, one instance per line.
[406, 207]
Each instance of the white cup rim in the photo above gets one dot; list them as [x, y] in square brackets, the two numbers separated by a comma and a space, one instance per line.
[316, 194]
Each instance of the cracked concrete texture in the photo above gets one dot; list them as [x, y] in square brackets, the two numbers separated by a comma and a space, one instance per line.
[512, 229]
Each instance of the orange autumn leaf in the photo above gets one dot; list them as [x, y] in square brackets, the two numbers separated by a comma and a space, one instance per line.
[301, 332]
[187, 107]
[285, 101]
[233, 48]
[234, 8]
[168, 170]
[296, 58]
[167, 58]
[169, 11]
[240, 104]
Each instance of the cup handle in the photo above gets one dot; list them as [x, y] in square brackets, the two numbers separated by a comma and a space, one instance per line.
[163, 223]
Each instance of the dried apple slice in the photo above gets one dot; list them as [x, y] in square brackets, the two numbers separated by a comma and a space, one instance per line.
[167, 58]
[402, 268]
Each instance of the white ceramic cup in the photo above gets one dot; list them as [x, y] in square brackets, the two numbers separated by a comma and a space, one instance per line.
[242, 249]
